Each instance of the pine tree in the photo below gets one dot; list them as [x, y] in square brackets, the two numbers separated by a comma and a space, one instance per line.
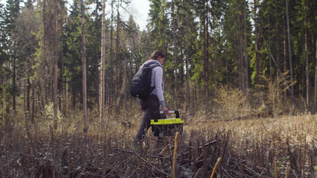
[12, 12]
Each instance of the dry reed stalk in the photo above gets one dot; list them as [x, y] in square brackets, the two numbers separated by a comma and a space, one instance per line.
[241, 173]
[304, 157]
[196, 155]
[287, 169]
[189, 153]
[174, 156]
[197, 173]
[216, 165]
[275, 168]
[145, 161]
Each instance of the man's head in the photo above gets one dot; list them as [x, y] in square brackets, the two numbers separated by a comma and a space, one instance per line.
[158, 55]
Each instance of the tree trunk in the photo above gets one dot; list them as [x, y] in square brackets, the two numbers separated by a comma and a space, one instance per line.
[33, 103]
[205, 60]
[55, 68]
[96, 51]
[13, 83]
[102, 65]
[122, 92]
[257, 62]
[306, 56]
[163, 34]
[241, 73]
[62, 98]
[269, 39]
[83, 57]
[270, 62]
[125, 85]
[286, 65]
[277, 57]
[175, 55]
[290, 56]
[46, 89]
[28, 94]
[246, 50]
[227, 71]
[315, 71]
[187, 65]
[117, 58]
[111, 83]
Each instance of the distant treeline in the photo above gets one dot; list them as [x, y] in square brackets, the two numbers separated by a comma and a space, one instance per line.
[83, 55]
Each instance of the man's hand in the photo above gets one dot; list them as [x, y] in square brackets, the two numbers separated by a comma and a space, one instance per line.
[165, 110]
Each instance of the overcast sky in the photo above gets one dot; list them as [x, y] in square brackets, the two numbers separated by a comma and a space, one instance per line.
[138, 8]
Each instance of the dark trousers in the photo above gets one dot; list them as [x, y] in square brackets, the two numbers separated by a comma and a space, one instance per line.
[151, 108]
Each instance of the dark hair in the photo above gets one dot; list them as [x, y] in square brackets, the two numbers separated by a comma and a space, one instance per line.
[156, 54]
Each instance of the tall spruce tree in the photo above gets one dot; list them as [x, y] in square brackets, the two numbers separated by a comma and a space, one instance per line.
[72, 50]
[4, 60]
[12, 12]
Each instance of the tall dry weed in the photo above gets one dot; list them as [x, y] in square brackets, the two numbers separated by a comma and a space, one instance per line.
[272, 93]
[231, 103]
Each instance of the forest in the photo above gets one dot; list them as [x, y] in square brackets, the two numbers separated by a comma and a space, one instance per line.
[243, 75]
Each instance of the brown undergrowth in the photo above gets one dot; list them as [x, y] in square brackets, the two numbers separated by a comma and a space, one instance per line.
[283, 146]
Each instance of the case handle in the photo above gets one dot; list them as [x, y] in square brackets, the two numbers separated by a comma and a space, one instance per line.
[172, 112]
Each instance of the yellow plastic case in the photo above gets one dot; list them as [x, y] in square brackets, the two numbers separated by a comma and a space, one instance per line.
[167, 127]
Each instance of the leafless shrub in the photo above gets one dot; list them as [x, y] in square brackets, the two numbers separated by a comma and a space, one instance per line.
[231, 103]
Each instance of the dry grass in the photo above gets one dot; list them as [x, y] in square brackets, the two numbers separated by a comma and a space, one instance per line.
[248, 145]
[300, 128]
[248, 148]
[284, 139]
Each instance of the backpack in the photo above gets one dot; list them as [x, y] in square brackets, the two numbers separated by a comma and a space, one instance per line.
[141, 82]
